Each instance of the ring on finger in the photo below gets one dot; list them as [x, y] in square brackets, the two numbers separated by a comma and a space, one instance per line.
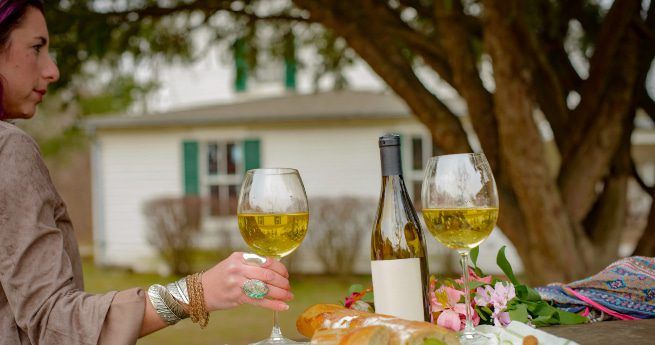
[255, 288]
[253, 259]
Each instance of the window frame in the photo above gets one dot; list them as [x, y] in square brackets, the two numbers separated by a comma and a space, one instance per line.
[415, 176]
[207, 180]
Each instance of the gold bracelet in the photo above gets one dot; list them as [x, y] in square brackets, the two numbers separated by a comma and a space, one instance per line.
[197, 308]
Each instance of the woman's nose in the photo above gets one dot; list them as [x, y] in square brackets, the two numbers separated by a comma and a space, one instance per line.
[51, 71]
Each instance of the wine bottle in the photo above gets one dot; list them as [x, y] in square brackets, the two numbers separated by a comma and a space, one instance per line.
[398, 255]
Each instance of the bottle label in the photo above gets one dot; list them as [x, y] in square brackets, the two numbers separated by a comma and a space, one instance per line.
[397, 289]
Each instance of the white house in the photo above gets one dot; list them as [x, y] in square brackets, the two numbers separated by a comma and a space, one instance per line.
[331, 138]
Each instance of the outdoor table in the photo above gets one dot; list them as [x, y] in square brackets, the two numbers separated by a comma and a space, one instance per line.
[637, 332]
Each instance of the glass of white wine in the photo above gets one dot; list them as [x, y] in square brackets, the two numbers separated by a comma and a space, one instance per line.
[273, 216]
[460, 208]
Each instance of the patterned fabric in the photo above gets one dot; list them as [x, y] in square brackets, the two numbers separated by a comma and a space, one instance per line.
[624, 290]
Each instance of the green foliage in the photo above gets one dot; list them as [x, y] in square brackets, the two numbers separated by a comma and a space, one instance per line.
[527, 306]
[56, 145]
[117, 96]
[474, 255]
[504, 265]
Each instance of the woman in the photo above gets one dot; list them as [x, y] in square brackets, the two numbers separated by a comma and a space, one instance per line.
[41, 289]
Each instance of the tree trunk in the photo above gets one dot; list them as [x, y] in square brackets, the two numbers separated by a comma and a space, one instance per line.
[546, 218]
[646, 245]
[548, 230]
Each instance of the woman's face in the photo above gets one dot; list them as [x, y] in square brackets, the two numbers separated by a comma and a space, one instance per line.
[26, 68]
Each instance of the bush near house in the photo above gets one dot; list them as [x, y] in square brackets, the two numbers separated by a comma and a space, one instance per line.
[172, 223]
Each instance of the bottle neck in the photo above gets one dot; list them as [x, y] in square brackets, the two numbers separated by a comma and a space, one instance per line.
[390, 159]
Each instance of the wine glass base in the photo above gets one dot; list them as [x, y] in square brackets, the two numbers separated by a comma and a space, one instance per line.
[476, 338]
[278, 341]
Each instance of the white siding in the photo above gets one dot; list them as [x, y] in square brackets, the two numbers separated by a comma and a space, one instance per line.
[136, 167]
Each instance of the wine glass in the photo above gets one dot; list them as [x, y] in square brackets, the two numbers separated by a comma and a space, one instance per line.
[460, 208]
[273, 216]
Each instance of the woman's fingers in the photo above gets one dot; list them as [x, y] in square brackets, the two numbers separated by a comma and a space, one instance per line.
[270, 263]
[267, 276]
[268, 304]
[277, 267]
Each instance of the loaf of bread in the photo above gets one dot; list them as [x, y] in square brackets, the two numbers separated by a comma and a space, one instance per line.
[331, 324]
[357, 336]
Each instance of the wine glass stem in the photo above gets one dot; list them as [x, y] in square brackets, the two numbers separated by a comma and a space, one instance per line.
[276, 333]
[464, 260]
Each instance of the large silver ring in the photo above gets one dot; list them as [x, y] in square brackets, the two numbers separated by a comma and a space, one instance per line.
[255, 288]
[254, 259]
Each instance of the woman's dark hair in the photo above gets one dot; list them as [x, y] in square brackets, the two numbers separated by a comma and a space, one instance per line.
[11, 15]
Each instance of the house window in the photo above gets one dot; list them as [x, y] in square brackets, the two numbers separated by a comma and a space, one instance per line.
[421, 151]
[222, 178]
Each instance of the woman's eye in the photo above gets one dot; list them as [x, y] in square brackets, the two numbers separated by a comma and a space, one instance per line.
[37, 48]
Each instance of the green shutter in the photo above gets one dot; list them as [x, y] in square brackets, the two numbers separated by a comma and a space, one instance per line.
[191, 170]
[290, 64]
[251, 151]
[240, 65]
[290, 74]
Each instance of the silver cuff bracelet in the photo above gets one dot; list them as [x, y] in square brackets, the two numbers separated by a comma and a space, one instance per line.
[179, 290]
[167, 307]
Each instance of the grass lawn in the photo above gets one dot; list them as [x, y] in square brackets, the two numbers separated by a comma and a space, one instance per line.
[237, 326]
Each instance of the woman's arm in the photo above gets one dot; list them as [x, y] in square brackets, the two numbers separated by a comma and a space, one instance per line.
[151, 321]
[222, 288]
[44, 292]
[37, 275]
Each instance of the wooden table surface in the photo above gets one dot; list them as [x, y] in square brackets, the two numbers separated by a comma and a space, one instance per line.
[638, 332]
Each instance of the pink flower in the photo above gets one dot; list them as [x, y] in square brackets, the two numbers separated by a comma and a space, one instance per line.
[496, 297]
[474, 277]
[501, 319]
[452, 314]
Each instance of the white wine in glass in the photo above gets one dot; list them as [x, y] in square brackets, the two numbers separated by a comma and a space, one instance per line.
[460, 208]
[273, 216]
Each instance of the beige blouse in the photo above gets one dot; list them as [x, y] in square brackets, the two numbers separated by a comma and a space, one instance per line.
[42, 298]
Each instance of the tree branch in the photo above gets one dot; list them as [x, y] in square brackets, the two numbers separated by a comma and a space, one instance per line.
[427, 47]
[640, 181]
[384, 56]
[207, 7]
[647, 104]
[522, 155]
[466, 77]
[605, 222]
[608, 44]
[589, 163]
[646, 244]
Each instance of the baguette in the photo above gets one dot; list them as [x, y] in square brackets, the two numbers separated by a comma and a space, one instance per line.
[321, 317]
[371, 335]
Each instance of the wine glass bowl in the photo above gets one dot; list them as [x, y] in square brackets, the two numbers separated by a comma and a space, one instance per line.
[460, 208]
[273, 216]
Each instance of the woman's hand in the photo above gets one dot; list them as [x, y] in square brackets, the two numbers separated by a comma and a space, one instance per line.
[222, 284]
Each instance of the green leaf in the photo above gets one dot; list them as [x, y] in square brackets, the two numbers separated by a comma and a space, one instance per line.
[475, 284]
[504, 265]
[355, 288]
[474, 255]
[520, 313]
[567, 318]
[526, 293]
[368, 298]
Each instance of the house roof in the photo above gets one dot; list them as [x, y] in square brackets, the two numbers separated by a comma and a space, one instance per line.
[334, 105]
